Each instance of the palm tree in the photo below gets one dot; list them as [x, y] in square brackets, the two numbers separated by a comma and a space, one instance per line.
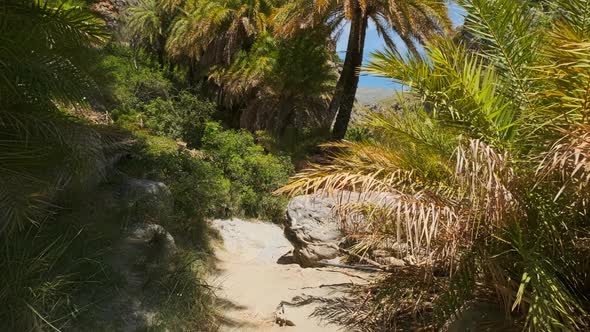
[413, 21]
[487, 178]
[280, 83]
[210, 32]
[43, 66]
[147, 25]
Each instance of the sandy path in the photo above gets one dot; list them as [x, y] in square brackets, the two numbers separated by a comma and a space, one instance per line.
[252, 284]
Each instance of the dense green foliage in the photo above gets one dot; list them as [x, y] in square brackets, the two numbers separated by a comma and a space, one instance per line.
[233, 50]
[485, 167]
[253, 173]
[182, 117]
[228, 175]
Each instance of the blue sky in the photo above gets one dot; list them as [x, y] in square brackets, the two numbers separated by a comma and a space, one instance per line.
[375, 43]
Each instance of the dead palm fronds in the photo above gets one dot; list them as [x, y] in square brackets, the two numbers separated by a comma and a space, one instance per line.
[569, 160]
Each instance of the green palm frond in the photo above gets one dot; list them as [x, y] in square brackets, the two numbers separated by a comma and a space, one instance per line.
[43, 153]
[144, 22]
[413, 21]
[39, 42]
[213, 31]
[508, 34]
[576, 13]
[42, 69]
[454, 85]
[550, 303]
[566, 71]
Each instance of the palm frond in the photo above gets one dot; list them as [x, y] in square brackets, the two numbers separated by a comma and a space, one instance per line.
[566, 69]
[454, 85]
[576, 14]
[569, 159]
[508, 34]
[39, 42]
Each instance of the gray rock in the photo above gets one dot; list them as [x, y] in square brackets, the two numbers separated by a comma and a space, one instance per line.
[139, 258]
[315, 231]
[312, 229]
[147, 200]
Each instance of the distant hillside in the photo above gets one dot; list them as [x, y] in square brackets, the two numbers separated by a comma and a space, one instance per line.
[367, 95]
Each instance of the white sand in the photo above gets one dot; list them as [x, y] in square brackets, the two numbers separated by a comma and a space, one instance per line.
[252, 284]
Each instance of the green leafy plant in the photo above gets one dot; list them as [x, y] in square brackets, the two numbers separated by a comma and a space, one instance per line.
[253, 173]
[181, 117]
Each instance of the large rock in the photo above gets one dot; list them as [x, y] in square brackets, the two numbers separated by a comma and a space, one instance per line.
[141, 258]
[146, 200]
[315, 231]
[312, 229]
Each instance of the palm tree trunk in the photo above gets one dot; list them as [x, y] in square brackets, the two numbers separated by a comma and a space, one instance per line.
[191, 74]
[162, 51]
[349, 78]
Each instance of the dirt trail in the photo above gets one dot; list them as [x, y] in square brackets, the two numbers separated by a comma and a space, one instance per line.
[252, 284]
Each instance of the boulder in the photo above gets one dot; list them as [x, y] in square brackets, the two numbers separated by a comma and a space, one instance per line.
[312, 229]
[146, 200]
[315, 231]
[140, 259]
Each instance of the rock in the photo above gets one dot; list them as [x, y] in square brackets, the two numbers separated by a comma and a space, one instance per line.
[315, 231]
[147, 200]
[390, 261]
[312, 229]
[140, 258]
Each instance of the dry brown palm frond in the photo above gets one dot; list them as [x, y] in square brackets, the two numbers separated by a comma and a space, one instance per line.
[415, 222]
[432, 219]
[487, 178]
[569, 159]
[398, 302]
[334, 178]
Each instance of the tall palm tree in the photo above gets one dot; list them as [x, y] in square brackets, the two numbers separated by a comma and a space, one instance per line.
[414, 21]
[280, 83]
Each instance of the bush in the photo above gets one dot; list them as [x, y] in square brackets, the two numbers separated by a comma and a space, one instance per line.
[141, 96]
[253, 173]
[129, 81]
[198, 187]
[180, 117]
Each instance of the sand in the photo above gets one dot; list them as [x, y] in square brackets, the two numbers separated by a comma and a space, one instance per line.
[251, 284]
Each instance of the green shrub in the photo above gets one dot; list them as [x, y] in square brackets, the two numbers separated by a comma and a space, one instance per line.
[141, 96]
[180, 117]
[253, 173]
[129, 81]
[358, 134]
[198, 187]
